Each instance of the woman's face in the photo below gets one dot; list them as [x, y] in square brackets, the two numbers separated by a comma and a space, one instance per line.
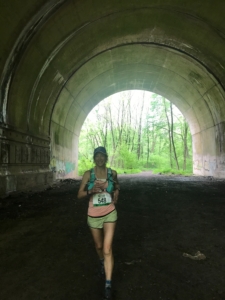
[100, 159]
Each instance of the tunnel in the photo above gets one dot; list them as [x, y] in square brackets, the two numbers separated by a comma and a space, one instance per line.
[60, 58]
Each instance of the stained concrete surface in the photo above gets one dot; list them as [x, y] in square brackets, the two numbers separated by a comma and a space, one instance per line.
[47, 251]
[59, 58]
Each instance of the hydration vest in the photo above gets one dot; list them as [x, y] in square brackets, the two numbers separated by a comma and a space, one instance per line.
[109, 178]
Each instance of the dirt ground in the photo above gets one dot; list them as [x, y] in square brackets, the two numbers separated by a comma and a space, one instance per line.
[47, 251]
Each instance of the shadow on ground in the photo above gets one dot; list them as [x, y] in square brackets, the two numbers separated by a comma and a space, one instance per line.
[47, 251]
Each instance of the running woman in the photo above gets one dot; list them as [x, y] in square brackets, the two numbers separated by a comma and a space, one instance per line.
[101, 186]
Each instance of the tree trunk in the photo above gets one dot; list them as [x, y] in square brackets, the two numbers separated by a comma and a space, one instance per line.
[140, 129]
[172, 136]
[169, 132]
[185, 151]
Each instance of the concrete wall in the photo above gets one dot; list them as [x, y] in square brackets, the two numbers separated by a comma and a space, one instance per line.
[59, 58]
[24, 161]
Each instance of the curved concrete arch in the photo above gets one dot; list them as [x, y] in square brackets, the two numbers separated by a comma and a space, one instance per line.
[19, 47]
[172, 74]
[60, 58]
[65, 58]
[138, 73]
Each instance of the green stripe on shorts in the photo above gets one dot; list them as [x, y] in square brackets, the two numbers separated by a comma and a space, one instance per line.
[98, 222]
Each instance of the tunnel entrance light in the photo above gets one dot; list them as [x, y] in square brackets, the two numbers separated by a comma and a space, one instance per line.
[141, 130]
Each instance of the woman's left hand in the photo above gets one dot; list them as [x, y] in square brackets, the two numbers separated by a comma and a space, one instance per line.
[115, 196]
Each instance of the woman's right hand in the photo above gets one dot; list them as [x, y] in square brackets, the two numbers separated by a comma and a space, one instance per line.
[95, 189]
[99, 184]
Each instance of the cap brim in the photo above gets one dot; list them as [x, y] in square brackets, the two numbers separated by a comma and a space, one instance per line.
[100, 152]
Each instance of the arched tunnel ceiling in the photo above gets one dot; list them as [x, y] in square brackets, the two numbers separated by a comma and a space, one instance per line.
[158, 69]
[61, 57]
[74, 32]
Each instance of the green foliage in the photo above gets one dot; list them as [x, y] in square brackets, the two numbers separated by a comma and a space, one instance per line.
[128, 171]
[158, 161]
[168, 171]
[139, 133]
[126, 159]
[84, 165]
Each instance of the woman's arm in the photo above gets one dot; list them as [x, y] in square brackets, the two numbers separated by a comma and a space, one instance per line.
[115, 179]
[82, 193]
[116, 187]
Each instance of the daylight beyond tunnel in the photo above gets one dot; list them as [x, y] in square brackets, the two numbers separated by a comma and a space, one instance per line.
[141, 131]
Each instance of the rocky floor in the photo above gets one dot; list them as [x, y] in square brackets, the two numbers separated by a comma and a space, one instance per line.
[47, 251]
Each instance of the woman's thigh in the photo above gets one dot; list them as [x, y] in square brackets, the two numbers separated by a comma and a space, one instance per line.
[109, 229]
[97, 235]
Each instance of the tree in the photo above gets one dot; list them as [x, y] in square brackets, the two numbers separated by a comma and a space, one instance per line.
[148, 128]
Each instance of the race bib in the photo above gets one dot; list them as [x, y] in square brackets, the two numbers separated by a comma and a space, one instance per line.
[102, 199]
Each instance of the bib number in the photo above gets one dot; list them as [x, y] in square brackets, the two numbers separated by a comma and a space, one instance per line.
[102, 199]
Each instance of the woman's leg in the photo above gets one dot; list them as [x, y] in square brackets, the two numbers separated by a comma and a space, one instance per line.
[109, 229]
[97, 235]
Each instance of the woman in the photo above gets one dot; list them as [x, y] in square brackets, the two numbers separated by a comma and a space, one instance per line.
[103, 191]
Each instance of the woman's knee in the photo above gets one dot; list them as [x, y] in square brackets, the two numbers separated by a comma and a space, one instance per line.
[107, 250]
[99, 246]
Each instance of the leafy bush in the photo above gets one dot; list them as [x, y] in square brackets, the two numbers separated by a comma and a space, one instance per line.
[158, 161]
[84, 164]
[172, 171]
[128, 171]
[129, 159]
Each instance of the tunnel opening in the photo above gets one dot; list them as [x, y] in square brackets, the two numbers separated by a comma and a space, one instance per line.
[164, 71]
[42, 145]
[141, 130]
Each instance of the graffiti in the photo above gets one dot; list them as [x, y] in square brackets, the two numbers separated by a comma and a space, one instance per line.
[62, 168]
[70, 167]
[206, 165]
[53, 164]
[212, 165]
[197, 165]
